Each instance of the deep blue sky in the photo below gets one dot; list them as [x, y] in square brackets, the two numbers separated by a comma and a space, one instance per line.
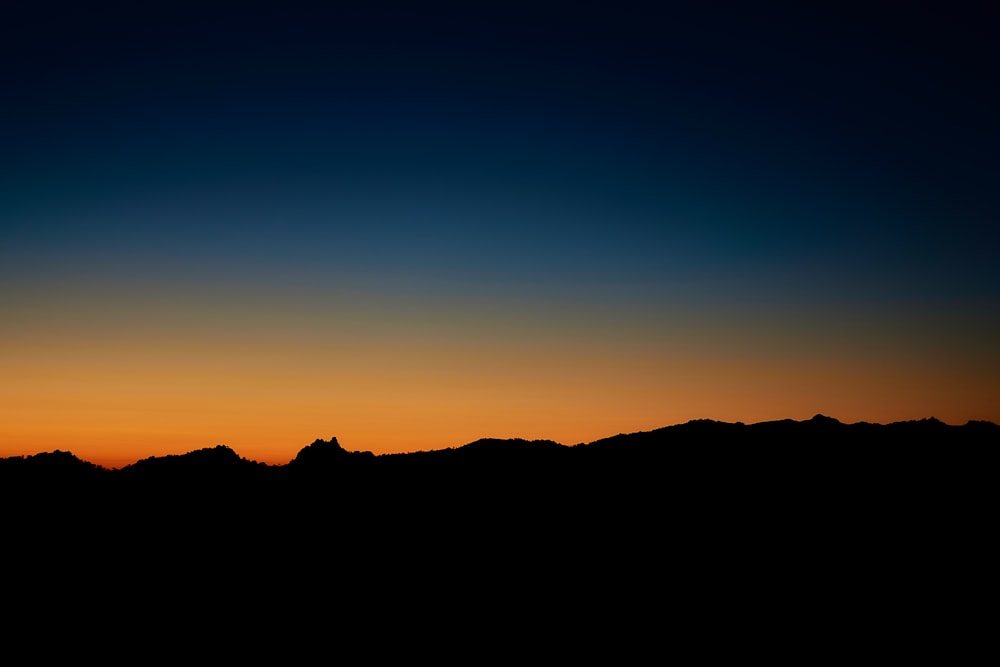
[766, 162]
[464, 137]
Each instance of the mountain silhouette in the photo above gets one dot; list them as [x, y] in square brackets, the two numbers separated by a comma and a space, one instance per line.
[781, 467]
[326, 454]
[210, 460]
[704, 441]
[702, 528]
[53, 463]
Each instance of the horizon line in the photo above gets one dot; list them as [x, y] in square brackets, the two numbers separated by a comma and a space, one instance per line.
[816, 416]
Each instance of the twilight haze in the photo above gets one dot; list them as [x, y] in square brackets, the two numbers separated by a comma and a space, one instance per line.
[414, 225]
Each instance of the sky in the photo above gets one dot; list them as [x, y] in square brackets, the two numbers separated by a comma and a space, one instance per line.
[413, 225]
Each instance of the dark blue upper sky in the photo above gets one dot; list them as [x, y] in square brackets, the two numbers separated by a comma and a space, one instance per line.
[490, 134]
[421, 223]
[657, 152]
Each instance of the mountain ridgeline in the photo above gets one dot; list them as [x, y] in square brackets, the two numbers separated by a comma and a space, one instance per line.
[723, 443]
[687, 527]
[815, 456]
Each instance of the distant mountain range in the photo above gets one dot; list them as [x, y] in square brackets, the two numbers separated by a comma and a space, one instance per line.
[698, 473]
[758, 440]
[670, 528]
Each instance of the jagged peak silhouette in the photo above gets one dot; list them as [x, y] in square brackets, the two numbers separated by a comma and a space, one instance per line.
[330, 453]
[319, 451]
[325, 452]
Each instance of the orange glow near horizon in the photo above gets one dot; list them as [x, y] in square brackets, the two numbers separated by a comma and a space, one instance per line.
[411, 230]
[113, 394]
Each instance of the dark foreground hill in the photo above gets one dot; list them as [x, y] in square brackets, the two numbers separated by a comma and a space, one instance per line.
[722, 482]
[703, 453]
[783, 466]
[814, 530]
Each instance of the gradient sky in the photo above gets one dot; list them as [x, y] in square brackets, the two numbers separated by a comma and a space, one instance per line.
[411, 225]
